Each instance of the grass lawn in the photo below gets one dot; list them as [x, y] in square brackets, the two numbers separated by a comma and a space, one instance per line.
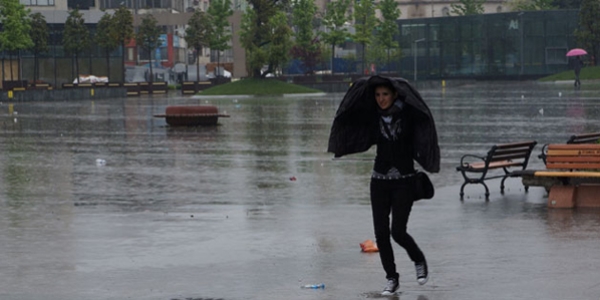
[258, 87]
[266, 86]
[588, 72]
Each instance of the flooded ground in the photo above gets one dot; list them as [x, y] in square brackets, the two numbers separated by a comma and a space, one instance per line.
[101, 200]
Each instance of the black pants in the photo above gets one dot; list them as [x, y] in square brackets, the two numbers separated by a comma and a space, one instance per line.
[395, 197]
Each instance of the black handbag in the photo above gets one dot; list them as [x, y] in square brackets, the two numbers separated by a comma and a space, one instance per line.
[423, 186]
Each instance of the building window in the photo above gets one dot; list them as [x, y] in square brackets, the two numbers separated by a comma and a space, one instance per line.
[156, 4]
[80, 4]
[556, 56]
[37, 2]
[104, 4]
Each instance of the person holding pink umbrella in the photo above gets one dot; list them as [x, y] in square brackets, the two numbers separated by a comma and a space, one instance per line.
[577, 63]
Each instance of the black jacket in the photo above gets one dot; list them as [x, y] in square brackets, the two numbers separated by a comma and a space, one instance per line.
[355, 126]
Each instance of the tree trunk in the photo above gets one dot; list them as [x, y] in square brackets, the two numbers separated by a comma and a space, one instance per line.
[122, 61]
[218, 62]
[35, 67]
[72, 68]
[388, 60]
[90, 67]
[151, 75]
[77, 67]
[364, 51]
[332, 57]
[198, 64]
[55, 68]
[11, 65]
[108, 64]
[19, 75]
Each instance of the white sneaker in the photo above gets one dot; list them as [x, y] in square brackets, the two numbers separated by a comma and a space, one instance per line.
[422, 273]
[391, 287]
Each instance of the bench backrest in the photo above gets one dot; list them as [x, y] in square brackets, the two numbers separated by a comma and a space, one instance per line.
[586, 138]
[518, 152]
[573, 156]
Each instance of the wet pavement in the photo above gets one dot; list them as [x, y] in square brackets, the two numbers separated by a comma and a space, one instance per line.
[100, 200]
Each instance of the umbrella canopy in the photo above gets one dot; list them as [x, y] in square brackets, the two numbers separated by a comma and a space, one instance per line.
[357, 121]
[576, 52]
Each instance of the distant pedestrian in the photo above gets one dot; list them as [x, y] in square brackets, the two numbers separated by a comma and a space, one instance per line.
[390, 113]
[578, 64]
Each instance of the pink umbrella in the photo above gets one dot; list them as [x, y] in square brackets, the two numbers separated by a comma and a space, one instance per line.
[576, 52]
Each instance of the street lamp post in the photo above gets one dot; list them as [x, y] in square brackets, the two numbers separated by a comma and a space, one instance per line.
[415, 55]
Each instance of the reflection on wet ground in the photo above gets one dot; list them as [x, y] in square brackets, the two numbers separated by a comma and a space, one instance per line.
[100, 200]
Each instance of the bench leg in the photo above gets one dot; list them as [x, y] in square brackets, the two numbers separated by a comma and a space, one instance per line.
[502, 185]
[462, 188]
[487, 191]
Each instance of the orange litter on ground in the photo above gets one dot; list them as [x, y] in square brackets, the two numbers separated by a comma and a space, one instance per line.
[369, 246]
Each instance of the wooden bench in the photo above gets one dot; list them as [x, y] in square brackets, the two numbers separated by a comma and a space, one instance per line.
[501, 156]
[572, 175]
[585, 138]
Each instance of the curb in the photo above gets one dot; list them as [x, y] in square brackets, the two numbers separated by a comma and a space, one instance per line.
[254, 96]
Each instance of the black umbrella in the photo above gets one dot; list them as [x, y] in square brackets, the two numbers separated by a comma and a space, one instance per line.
[355, 124]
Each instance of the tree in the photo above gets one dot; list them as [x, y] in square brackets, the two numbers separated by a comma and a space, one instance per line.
[588, 33]
[544, 5]
[307, 46]
[106, 38]
[379, 54]
[122, 29]
[76, 37]
[527, 5]
[15, 30]
[220, 10]
[335, 20]
[376, 53]
[467, 7]
[198, 34]
[387, 26]
[280, 45]
[264, 35]
[39, 36]
[364, 18]
[148, 38]
[567, 4]
[309, 55]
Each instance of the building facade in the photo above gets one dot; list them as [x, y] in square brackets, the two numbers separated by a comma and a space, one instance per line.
[494, 46]
[498, 43]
